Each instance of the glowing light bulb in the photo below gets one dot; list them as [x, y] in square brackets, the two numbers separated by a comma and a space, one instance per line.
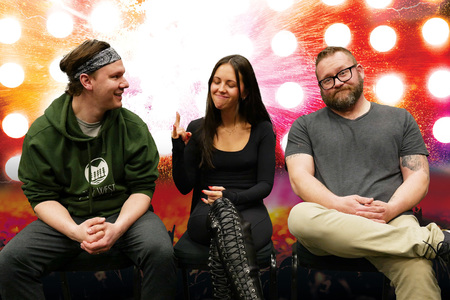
[10, 31]
[435, 31]
[289, 95]
[15, 125]
[12, 168]
[389, 89]
[438, 83]
[338, 34]
[441, 130]
[56, 72]
[60, 24]
[284, 43]
[383, 38]
[11, 75]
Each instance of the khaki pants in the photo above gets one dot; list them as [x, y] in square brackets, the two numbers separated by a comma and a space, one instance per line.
[396, 249]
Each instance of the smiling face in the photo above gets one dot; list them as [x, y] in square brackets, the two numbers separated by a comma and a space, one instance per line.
[224, 88]
[108, 85]
[344, 95]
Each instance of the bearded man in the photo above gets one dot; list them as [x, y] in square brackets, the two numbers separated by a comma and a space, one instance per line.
[360, 168]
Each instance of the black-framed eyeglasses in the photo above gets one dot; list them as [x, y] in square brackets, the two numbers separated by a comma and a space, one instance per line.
[343, 76]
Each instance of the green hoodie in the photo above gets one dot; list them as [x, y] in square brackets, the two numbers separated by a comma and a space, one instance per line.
[90, 176]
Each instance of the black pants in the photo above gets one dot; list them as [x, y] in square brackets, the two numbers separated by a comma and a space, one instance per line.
[257, 216]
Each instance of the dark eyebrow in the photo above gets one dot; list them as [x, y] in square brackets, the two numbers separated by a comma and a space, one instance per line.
[332, 75]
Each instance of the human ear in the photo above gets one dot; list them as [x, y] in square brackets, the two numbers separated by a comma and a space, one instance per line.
[244, 95]
[360, 70]
[86, 81]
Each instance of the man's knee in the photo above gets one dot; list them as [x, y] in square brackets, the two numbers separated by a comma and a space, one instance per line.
[8, 258]
[301, 219]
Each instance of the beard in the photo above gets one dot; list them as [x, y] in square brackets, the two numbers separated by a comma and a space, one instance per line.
[340, 103]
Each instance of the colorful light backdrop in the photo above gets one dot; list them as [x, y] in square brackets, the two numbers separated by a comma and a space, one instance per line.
[170, 46]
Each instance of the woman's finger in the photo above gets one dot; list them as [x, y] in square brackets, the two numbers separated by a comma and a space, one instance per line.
[177, 120]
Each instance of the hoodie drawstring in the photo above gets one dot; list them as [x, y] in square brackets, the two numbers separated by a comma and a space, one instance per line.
[90, 178]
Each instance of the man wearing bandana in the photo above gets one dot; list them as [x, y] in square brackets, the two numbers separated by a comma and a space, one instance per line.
[88, 169]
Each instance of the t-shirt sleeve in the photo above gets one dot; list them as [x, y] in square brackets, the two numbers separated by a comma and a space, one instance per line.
[298, 138]
[413, 142]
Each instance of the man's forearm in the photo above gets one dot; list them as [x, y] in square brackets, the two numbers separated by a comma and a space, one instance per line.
[135, 206]
[57, 216]
[410, 193]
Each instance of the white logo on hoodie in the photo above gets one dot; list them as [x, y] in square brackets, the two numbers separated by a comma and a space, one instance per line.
[99, 171]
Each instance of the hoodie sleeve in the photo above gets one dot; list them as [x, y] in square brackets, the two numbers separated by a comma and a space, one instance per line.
[141, 166]
[36, 174]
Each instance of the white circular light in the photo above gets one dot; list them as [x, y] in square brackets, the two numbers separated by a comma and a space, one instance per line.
[289, 95]
[383, 38]
[379, 3]
[280, 5]
[435, 31]
[105, 17]
[15, 125]
[60, 24]
[11, 75]
[10, 31]
[338, 34]
[441, 130]
[284, 43]
[56, 72]
[438, 83]
[389, 89]
[333, 2]
[12, 168]
[284, 141]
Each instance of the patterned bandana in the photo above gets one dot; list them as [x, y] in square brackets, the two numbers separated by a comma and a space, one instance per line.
[101, 59]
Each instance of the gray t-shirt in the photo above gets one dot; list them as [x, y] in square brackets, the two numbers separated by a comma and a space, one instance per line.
[360, 156]
[90, 129]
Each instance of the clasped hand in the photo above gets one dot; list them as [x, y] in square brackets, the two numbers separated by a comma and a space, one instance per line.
[98, 236]
[369, 208]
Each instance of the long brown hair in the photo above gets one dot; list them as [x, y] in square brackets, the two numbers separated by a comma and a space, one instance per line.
[252, 109]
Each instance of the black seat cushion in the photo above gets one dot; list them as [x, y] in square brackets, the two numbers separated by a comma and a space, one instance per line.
[111, 260]
[331, 262]
[192, 255]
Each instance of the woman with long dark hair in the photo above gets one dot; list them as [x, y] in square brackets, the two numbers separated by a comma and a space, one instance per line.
[228, 159]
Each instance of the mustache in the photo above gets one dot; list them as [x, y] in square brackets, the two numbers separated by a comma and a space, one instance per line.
[343, 89]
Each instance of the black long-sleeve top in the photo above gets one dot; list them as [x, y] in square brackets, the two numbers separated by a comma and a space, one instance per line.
[247, 175]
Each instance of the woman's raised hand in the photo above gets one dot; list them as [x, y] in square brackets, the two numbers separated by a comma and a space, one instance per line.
[179, 131]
